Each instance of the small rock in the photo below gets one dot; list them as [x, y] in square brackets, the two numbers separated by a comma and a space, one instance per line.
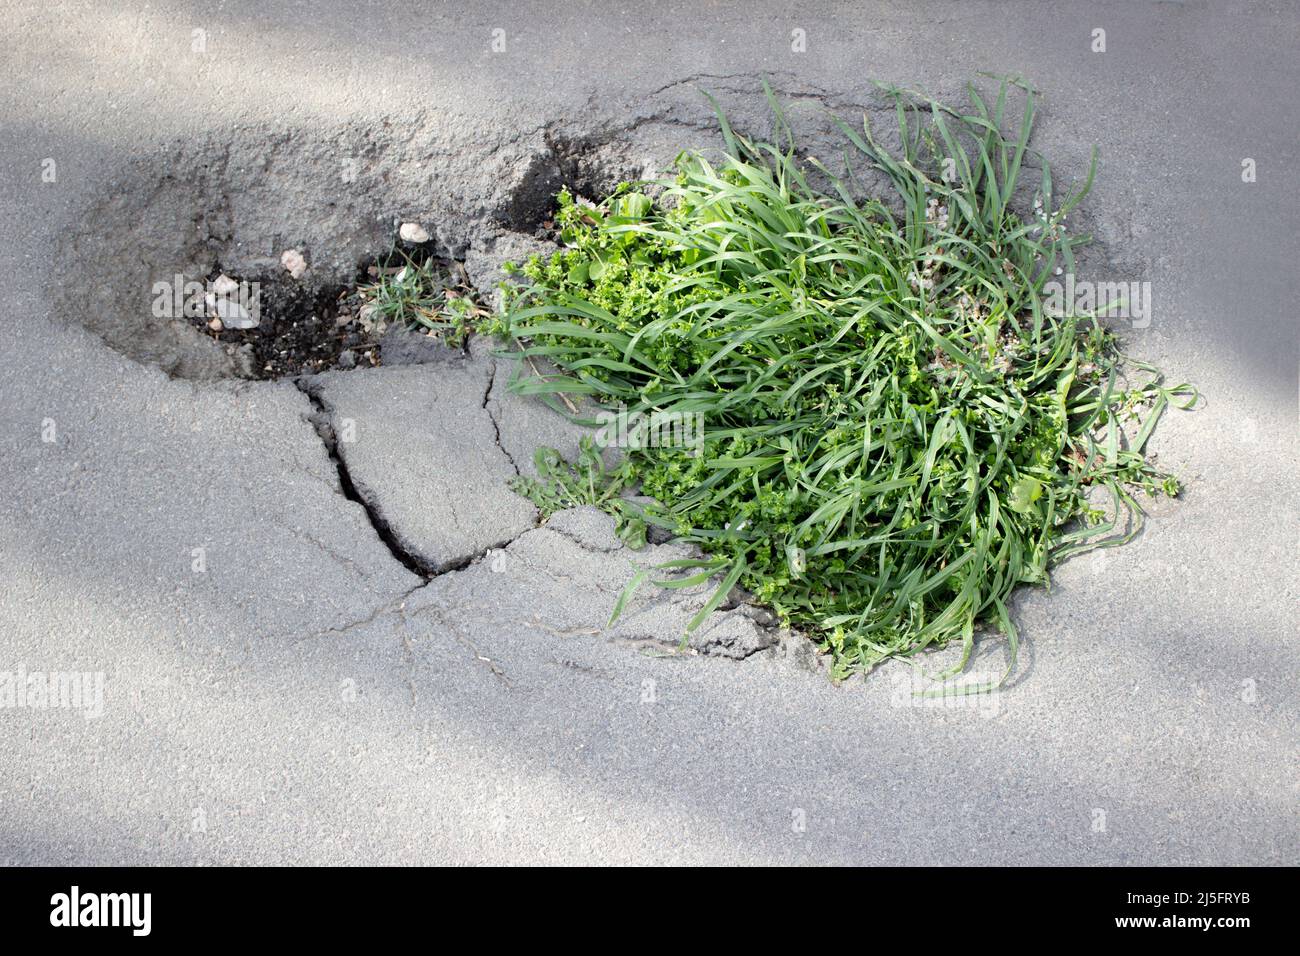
[347, 359]
[223, 285]
[231, 313]
[413, 232]
[293, 261]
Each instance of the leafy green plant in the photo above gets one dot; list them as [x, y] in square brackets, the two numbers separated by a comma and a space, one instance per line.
[897, 433]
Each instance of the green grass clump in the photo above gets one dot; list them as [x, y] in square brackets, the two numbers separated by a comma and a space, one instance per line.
[896, 433]
[419, 295]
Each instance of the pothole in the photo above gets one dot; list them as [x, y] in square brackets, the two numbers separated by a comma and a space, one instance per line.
[168, 224]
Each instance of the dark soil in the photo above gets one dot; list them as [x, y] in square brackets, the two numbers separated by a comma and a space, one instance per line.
[305, 329]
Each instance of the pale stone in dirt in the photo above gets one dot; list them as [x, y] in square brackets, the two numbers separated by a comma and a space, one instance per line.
[293, 261]
[413, 232]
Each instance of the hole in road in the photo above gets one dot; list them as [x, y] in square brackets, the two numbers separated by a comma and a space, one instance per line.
[146, 251]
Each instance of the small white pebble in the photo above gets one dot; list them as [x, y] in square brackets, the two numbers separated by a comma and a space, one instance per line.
[413, 232]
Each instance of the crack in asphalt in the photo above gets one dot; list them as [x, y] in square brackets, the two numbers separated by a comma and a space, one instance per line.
[496, 425]
[322, 421]
[324, 428]
[396, 604]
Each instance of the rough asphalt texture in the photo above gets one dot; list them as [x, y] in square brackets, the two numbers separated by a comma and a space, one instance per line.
[306, 698]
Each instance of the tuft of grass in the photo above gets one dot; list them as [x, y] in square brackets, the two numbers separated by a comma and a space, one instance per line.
[897, 434]
[419, 294]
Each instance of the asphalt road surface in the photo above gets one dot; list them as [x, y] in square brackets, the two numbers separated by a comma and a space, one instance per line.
[268, 683]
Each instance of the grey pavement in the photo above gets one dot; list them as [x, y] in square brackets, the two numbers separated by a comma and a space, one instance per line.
[369, 650]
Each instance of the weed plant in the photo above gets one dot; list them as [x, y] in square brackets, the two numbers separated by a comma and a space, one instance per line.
[897, 433]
